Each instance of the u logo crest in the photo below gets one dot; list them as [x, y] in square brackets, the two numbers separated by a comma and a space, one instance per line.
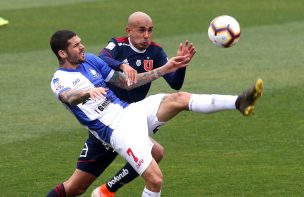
[148, 65]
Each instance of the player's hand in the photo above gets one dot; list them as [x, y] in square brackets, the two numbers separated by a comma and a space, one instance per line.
[177, 62]
[186, 49]
[130, 73]
[97, 93]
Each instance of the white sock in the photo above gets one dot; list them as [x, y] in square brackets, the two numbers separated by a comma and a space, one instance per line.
[209, 103]
[148, 193]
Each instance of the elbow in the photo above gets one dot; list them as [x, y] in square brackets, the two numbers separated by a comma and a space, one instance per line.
[126, 87]
[73, 102]
[69, 101]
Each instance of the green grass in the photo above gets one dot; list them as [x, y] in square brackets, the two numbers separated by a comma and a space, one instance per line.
[222, 154]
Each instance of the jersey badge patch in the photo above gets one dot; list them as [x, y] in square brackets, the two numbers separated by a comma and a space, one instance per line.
[94, 73]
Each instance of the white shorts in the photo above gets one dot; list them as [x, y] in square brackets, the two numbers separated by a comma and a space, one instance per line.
[130, 138]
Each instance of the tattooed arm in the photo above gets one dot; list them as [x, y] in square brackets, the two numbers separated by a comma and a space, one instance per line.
[119, 79]
[74, 97]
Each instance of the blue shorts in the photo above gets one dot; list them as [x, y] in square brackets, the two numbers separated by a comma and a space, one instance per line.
[95, 156]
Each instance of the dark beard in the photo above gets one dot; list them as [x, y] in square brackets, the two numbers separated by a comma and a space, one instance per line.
[75, 61]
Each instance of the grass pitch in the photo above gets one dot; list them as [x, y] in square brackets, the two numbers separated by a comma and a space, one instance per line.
[223, 154]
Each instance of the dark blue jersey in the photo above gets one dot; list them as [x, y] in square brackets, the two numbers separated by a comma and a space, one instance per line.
[121, 51]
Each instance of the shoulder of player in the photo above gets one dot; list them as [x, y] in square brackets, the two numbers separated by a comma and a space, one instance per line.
[123, 39]
[92, 58]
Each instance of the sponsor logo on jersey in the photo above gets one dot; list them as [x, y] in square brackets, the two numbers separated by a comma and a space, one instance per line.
[110, 46]
[138, 63]
[123, 44]
[84, 151]
[102, 106]
[57, 84]
[76, 81]
[117, 178]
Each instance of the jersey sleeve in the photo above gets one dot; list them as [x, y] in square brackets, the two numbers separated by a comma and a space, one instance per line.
[59, 84]
[161, 58]
[174, 79]
[104, 69]
[109, 54]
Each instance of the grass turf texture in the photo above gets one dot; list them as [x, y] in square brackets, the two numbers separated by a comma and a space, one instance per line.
[219, 155]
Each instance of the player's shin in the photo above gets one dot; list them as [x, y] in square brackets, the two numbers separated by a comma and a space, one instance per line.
[209, 103]
[122, 177]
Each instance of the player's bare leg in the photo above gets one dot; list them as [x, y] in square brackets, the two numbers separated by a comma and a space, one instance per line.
[153, 180]
[78, 183]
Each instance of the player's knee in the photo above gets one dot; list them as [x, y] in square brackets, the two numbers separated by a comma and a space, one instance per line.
[180, 99]
[156, 181]
[159, 181]
[153, 177]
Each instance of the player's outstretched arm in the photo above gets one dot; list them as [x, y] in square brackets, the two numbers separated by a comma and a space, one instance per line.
[119, 79]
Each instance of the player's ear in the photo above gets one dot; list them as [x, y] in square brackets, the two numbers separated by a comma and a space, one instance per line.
[128, 30]
[62, 54]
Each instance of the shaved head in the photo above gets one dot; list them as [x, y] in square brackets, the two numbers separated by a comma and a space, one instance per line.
[139, 30]
[137, 18]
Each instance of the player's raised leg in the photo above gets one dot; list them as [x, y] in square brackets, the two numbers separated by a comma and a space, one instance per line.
[172, 104]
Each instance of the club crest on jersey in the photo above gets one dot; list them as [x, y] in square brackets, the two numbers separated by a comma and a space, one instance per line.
[138, 63]
[148, 65]
[94, 73]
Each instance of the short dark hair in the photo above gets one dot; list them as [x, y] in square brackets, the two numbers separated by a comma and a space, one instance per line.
[59, 40]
